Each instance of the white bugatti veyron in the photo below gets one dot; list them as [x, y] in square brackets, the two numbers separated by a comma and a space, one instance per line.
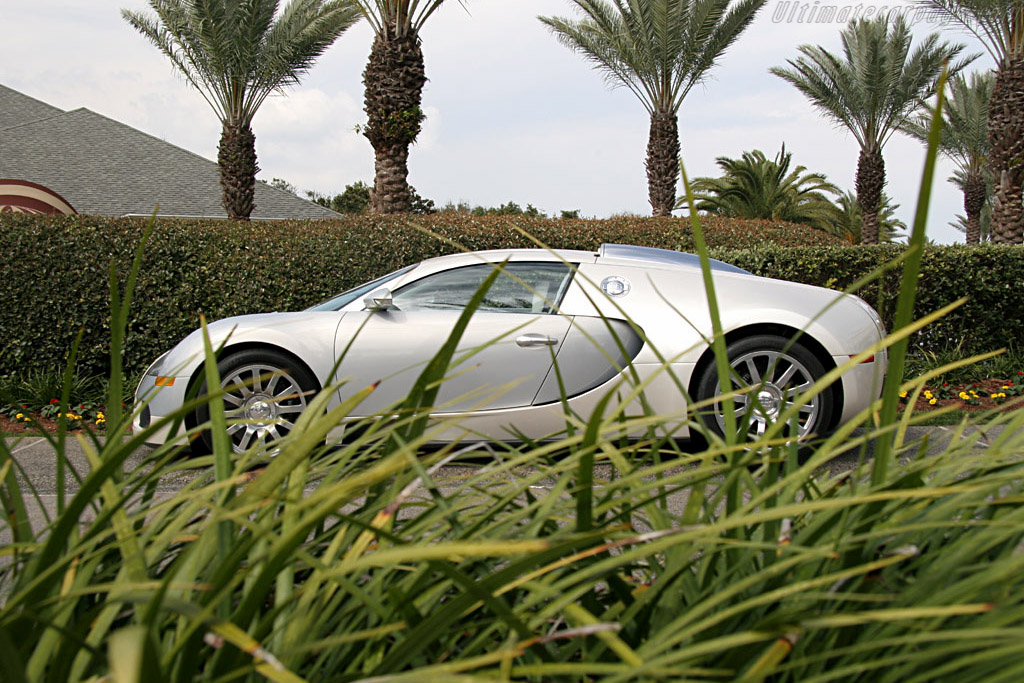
[556, 329]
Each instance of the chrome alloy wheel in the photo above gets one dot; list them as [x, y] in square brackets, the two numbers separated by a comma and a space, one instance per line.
[770, 381]
[261, 402]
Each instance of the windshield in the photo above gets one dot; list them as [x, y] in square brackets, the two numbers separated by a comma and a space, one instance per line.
[345, 298]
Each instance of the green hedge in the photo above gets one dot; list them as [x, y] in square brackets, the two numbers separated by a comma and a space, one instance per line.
[989, 276]
[55, 272]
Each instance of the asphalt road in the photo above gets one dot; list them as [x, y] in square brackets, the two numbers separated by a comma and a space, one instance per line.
[36, 457]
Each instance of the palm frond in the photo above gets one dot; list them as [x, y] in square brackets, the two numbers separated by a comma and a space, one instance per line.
[236, 53]
[965, 122]
[397, 17]
[878, 82]
[657, 49]
[754, 186]
[848, 225]
[997, 24]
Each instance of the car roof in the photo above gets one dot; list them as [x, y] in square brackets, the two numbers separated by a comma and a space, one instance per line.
[608, 252]
[498, 255]
[652, 255]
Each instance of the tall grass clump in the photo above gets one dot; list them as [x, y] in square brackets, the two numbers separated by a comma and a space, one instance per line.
[588, 557]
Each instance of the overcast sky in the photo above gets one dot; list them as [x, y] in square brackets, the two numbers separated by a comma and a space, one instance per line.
[511, 113]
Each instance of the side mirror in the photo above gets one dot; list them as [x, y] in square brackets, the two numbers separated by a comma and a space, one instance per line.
[378, 300]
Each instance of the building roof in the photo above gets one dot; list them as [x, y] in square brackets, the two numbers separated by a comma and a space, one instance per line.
[105, 167]
[17, 108]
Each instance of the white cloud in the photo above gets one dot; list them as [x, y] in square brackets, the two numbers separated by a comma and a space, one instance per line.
[308, 138]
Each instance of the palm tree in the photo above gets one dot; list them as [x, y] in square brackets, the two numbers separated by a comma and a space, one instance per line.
[659, 50]
[999, 26]
[850, 220]
[964, 141]
[871, 90]
[393, 80]
[959, 222]
[977, 228]
[754, 186]
[236, 53]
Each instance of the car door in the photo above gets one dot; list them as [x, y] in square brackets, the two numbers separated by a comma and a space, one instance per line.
[502, 358]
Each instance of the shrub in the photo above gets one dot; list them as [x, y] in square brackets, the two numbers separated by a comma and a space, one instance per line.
[987, 275]
[55, 272]
[356, 200]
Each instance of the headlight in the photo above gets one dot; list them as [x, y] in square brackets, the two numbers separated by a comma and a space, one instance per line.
[873, 314]
[156, 366]
[154, 370]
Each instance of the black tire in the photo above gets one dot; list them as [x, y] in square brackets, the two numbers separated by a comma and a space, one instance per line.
[266, 393]
[779, 368]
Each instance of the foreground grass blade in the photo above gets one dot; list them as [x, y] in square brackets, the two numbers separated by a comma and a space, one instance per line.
[908, 287]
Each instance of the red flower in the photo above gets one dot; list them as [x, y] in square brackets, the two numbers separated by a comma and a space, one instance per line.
[54, 401]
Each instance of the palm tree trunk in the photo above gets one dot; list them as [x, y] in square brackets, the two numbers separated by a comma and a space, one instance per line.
[975, 194]
[236, 157]
[663, 163]
[870, 182]
[394, 79]
[1006, 138]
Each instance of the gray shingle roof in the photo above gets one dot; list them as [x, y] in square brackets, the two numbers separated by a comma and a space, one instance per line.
[17, 108]
[107, 168]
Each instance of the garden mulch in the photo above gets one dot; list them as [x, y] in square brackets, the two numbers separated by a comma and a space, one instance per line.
[945, 396]
[9, 426]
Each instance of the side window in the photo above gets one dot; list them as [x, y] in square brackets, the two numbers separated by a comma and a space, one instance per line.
[522, 287]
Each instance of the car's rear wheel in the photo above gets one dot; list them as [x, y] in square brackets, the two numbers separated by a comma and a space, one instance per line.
[772, 372]
[265, 392]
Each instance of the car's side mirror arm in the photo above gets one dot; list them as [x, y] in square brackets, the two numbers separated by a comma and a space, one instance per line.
[378, 300]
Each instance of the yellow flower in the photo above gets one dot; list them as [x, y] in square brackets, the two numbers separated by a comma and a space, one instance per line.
[933, 402]
[19, 416]
[903, 394]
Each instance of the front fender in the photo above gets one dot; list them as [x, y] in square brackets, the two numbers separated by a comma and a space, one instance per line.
[309, 335]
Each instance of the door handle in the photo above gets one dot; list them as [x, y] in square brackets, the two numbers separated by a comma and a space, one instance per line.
[531, 340]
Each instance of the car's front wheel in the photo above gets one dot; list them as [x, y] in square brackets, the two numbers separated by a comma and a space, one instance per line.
[771, 372]
[265, 392]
